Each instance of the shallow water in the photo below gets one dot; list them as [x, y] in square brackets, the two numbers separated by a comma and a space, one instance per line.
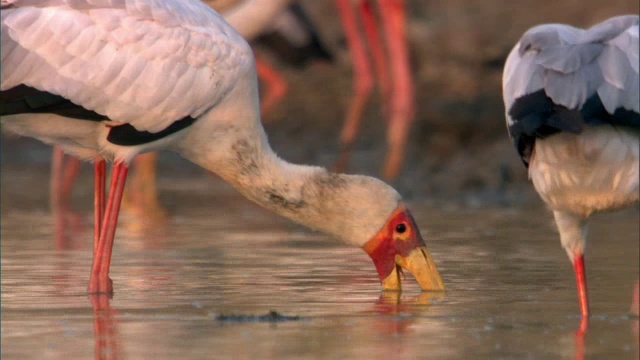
[510, 287]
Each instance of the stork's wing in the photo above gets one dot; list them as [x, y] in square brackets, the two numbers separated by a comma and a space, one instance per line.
[620, 68]
[143, 62]
[571, 65]
[559, 78]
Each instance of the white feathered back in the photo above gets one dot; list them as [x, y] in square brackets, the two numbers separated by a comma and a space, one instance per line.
[143, 62]
[572, 64]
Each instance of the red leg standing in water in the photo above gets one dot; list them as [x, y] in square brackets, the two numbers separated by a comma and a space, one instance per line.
[100, 281]
[581, 282]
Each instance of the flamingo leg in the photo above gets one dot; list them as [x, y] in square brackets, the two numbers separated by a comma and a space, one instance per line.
[376, 46]
[57, 162]
[64, 171]
[140, 198]
[402, 99]
[275, 86]
[100, 281]
[363, 82]
[581, 282]
[69, 175]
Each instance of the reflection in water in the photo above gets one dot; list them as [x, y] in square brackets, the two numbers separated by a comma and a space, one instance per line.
[401, 312]
[105, 331]
[508, 292]
[580, 334]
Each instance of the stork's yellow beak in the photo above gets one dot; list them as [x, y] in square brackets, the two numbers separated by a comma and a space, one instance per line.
[419, 263]
[399, 245]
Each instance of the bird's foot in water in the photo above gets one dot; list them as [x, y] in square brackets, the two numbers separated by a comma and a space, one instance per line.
[100, 285]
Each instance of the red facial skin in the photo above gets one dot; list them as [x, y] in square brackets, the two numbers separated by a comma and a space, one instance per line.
[388, 242]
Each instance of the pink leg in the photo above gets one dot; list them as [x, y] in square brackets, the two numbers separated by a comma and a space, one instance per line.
[362, 82]
[581, 281]
[57, 162]
[100, 281]
[140, 198]
[275, 86]
[402, 107]
[70, 174]
[370, 26]
[63, 175]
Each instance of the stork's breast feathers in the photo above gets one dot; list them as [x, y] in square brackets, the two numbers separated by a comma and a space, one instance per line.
[143, 64]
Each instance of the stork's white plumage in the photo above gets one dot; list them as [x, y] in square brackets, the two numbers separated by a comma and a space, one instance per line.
[114, 78]
[573, 112]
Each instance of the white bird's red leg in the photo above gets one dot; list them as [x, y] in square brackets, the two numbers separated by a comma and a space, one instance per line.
[573, 232]
[105, 330]
[363, 81]
[402, 99]
[99, 181]
[581, 282]
[100, 281]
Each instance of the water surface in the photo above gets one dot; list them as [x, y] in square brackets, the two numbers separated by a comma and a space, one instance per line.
[510, 287]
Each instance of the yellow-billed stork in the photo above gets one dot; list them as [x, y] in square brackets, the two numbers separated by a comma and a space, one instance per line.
[110, 79]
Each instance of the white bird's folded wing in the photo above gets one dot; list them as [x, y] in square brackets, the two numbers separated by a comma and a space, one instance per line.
[571, 64]
[143, 62]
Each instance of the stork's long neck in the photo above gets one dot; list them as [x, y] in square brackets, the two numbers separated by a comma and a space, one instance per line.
[238, 151]
[229, 140]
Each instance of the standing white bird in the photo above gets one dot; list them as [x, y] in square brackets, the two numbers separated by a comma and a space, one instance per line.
[573, 113]
[109, 79]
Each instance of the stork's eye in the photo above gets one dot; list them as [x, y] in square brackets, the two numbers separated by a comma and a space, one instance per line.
[401, 228]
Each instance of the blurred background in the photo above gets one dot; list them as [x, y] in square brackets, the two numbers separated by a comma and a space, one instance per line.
[458, 150]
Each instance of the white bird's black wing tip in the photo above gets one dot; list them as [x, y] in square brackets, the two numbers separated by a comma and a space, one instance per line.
[536, 116]
[23, 99]
[127, 135]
